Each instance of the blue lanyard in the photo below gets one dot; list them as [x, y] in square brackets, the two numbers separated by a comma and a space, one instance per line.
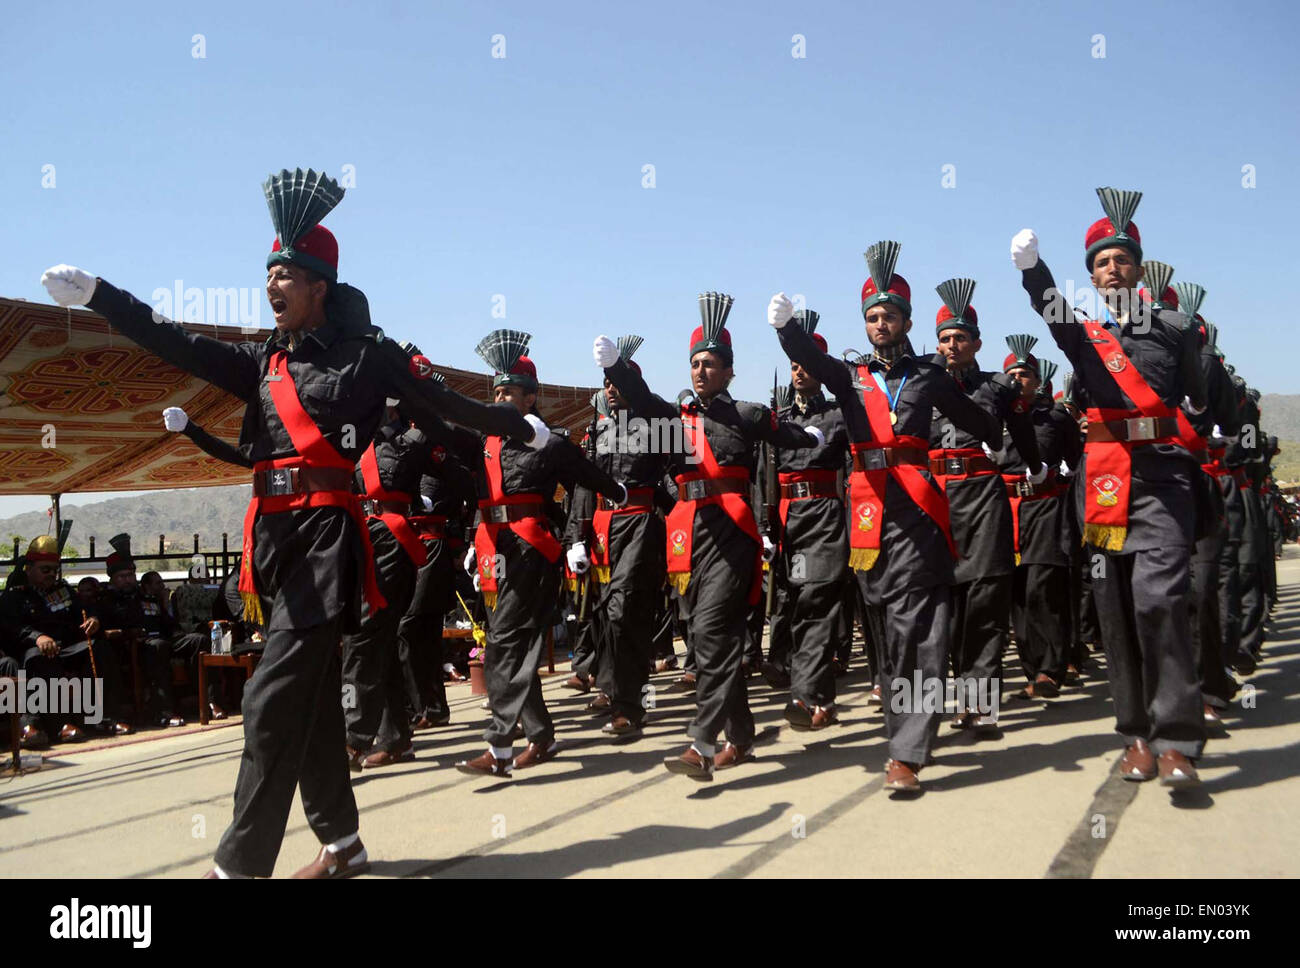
[892, 397]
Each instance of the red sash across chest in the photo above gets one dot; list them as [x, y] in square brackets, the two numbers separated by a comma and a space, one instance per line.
[732, 483]
[867, 487]
[395, 522]
[313, 451]
[524, 514]
[1109, 484]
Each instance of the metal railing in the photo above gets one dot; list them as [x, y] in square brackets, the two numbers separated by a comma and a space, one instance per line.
[219, 563]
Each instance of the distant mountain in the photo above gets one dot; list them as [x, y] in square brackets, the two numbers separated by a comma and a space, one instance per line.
[1279, 413]
[176, 514]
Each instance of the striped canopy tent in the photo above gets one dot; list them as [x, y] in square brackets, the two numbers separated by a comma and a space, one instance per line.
[81, 407]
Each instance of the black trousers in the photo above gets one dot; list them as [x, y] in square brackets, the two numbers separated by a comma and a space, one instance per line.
[1217, 686]
[1151, 661]
[814, 610]
[420, 653]
[293, 739]
[624, 628]
[1229, 598]
[981, 616]
[1040, 614]
[156, 667]
[514, 655]
[73, 666]
[372, 669]
[780, 638]
[914, 653]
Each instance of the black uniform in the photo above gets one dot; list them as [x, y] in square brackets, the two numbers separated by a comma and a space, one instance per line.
[723, 556]
[629, 586]
[980, 515]
[129, 610]
[1040, 596]
[1141, 591]
[813, 552]
[308, 562]
[528, 580]
[914, 571]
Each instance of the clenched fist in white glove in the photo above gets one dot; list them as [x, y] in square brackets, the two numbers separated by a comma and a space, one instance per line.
[769, 549]
[1024, 249]
[541, 432]
[577, 558]
[68, 285]
[1037, 477]
[816, 434]
[471, 561]
[779, 311]
[604, 351]
[478, 583]
[175, 419]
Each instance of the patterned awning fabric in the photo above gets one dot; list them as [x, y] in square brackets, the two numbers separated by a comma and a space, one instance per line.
[81, 407]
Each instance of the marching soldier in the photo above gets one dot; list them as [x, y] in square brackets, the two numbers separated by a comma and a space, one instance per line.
[1137, 365]
[626, 556]
[813, 547]
[1040, 603]
[900, 542]
[978, 507]
[713, 546]
[315, 393]
[517, 557]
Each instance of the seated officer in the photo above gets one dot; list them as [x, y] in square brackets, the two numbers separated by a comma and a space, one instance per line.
[48, 631]
[126, 611]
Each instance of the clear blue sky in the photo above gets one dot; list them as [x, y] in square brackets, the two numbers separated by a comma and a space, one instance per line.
[522, 176]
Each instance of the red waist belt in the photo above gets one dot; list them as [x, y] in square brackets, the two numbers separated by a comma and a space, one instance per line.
[802, 485]
[430, 526]
[873, 465]
[391, 509]
[1019, 489]
[287, 484]
[640, 500]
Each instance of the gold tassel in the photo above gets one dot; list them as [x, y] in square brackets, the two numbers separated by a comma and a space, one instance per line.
[679, 580]
[490, 599]
[1017, 557]
[863, 559]
[1107, 537]
[573, 584]
[252, 607]
[600, 573]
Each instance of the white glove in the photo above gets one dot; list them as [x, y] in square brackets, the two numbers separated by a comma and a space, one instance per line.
[604, 351]
[68, 285]
[769, 549]
[577, 558]
[427, 502]
[622, 502]
[1187, 405]
[471, 561]
[779, 311]
[1037, 477]
[478, 583]
[1024, 249]
[816, 434]
[541, 432]
[175, 419]
[988, 451]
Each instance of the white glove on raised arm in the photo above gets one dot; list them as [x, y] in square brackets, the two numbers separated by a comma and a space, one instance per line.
[604, 351]
[68, 285]
[471, 559]
[769, 549]
[779, 311]
[1024, 249]
[175, 419]
[541, 432]
[816, 434]
[577, 558]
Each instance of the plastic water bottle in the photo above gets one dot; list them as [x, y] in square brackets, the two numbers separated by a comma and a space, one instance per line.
[216, 639]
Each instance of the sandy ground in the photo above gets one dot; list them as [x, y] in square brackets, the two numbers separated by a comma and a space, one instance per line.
[1039, 800]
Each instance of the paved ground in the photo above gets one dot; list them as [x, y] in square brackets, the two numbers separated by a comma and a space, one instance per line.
[1040, 800]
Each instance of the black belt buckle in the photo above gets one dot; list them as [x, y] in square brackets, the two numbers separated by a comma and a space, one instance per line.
[954, 465]
[875, 460]
[1024, 489]
[500, 514]
[800, 489]
[1140, 428]
[695, 490]
[280, 482]
[371, 508]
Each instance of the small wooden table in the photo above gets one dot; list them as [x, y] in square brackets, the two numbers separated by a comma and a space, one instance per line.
[246, 661]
